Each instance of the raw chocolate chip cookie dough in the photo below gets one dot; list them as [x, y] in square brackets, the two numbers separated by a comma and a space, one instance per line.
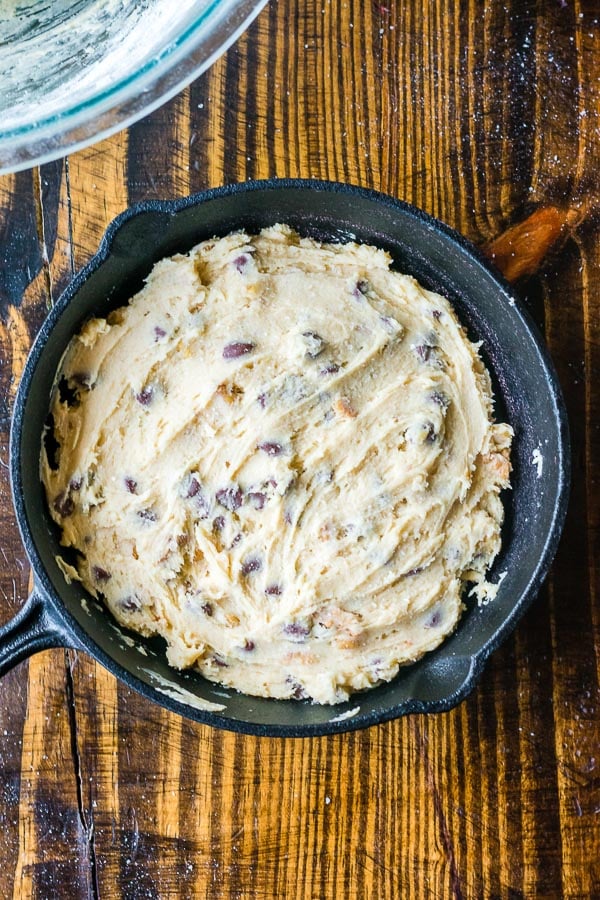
[281, 457]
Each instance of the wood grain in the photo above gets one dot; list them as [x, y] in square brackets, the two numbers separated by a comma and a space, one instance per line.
[481, 113]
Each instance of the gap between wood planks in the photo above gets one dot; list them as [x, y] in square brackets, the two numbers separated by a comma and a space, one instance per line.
[86, 820]
[38, 184]
[41, 233]
[444, 833]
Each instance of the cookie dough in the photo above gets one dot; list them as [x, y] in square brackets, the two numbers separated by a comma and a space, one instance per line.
[280, 456]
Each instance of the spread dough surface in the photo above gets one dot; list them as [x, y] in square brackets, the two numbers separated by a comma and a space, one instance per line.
[280, 456]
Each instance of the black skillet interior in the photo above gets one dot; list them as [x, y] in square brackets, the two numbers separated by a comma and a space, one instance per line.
[527, 395]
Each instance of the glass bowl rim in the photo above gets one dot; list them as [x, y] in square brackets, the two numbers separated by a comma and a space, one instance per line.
[133, 96]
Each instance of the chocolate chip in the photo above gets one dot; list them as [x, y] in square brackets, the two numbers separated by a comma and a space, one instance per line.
[314, 344]
[145, 396]
[297, 690]
[251, 565]
[360, 289]
[63, 504]
[248, 645]
[437, 314]
[219, 661]
[192, 490]
[237, 349]
[296, 631]
[440, 399]
[148, 514]
[271, 448]
[193, 487]
[423, 351]
[262, 400]
[159, 333]
[273, 590]
[231, 498]
[131, 603]
[257, 499]
[207, 609]
[75, 483]
[330, 369]
[130, 484]
[411, 572]
[435, 620]
[240, 263]
[100, 574]
[430, 433]
[218, 524]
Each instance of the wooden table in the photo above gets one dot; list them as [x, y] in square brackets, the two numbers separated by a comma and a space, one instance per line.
[477, 111]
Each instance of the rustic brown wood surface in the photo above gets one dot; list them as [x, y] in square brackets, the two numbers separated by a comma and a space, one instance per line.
[479, 112]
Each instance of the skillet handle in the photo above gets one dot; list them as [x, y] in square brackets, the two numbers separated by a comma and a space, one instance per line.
[35, 627]
[520, 250]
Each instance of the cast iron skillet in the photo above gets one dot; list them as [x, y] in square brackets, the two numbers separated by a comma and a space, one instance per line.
[528, 395]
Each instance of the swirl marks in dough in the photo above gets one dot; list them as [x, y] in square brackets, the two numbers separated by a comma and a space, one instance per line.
[280, 456]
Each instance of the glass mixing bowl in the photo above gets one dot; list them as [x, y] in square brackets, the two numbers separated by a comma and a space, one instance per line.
[75, 71]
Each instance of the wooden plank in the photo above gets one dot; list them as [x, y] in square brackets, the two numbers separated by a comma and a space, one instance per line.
[565, 157]
[20, 311]
[54, 849]
[206, 128]
[96, 193]
[158, 154]
[575, 627]
[46, 802]
[56, 824]
[93, 193]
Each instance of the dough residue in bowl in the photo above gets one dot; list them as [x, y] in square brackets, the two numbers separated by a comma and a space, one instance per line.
[280, 456]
